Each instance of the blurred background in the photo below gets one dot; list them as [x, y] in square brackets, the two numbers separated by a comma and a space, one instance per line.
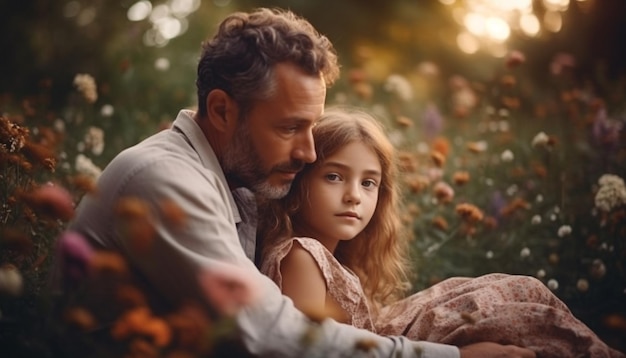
[516, 107]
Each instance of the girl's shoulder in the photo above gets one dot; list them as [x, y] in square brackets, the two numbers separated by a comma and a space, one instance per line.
[323, 258]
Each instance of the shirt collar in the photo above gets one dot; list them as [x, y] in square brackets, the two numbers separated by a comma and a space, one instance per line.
[186, 123]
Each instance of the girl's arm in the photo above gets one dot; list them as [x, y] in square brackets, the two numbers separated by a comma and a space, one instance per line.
[303, 281]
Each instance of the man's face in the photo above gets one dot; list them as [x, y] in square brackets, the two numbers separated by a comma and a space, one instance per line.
[274, 142]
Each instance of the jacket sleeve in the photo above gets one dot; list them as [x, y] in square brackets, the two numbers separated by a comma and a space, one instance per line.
[272, 326]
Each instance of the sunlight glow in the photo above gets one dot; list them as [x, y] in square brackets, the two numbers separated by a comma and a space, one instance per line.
[553, 21]
[497, 29]
[182, 8]
[467, 43]
[475, 23]
[529, 23]
[556, 5]
[488, 24]
[139, 11]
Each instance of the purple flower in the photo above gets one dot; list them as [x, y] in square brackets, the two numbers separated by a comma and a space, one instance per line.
[432, 121]
[605, 131]
[75, 255]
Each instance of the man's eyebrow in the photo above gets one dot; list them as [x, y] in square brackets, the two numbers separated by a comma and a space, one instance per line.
[339, 165]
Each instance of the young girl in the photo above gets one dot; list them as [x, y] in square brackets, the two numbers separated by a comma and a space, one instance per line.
[336, 244]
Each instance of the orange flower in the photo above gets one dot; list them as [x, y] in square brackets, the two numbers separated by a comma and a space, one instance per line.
[404, 121]
[173, 213]
[476, 147]
[130, 296]
[443, 192]
[508, 80]
[83, 183]
[441, 145]
[490, 223]
[80, 317]
[511, 102]
[470, 213]
[440, 223]
[406, 162]
[413, 209]
[364, 90]
[15, 240]
[104, 261]
[438, 158]
[40, 154]
[158, 330]
[540, 170]
[136, 222]
[190, 324]
[514, 206]
[417, 183]
[366, 345]
[461, 178]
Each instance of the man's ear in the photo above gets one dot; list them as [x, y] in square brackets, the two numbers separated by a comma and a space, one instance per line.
[221, 109]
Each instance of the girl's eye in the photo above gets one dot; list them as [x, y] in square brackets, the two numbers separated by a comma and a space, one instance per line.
[369, 183]
[332, 177]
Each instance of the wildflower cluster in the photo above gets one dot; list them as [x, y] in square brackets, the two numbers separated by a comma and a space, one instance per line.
[497, 180]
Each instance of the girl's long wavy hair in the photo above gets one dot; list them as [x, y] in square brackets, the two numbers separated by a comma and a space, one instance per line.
[384, 241]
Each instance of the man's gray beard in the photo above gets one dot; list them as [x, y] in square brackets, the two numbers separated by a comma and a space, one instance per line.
[242, 164]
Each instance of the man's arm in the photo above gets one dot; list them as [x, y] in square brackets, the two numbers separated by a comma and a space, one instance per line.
[271, 327]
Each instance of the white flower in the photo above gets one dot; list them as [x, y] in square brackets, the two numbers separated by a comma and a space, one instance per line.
[611, 194]
[94, 139]
[536, 220]
[597, 269]
[504, 126]
[541, 273]
[525, 252]
[162, 64]
[610, 179]
[11, 282]
[553, 284]
[582, 285]
[399, 86]
[86, 86]
[465, 98]
[564, 230]
[85, 166]
[540, 140]
[107, 110]
[507, 156]
[59, 125]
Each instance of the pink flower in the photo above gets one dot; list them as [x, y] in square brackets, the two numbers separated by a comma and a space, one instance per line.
[228, 287]
[562, 61]
[75, 255]
[514, 59]
[52, 201]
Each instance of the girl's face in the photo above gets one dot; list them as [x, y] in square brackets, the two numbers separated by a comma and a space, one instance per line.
[343, 193]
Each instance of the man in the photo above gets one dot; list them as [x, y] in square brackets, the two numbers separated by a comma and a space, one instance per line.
[261, 87]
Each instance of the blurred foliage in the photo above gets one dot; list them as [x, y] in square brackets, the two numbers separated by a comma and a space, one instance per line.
[466, 127]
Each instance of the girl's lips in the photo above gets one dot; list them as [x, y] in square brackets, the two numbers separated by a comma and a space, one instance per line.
[349, 214]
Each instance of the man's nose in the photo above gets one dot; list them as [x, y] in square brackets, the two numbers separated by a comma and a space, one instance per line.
[305, 149]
